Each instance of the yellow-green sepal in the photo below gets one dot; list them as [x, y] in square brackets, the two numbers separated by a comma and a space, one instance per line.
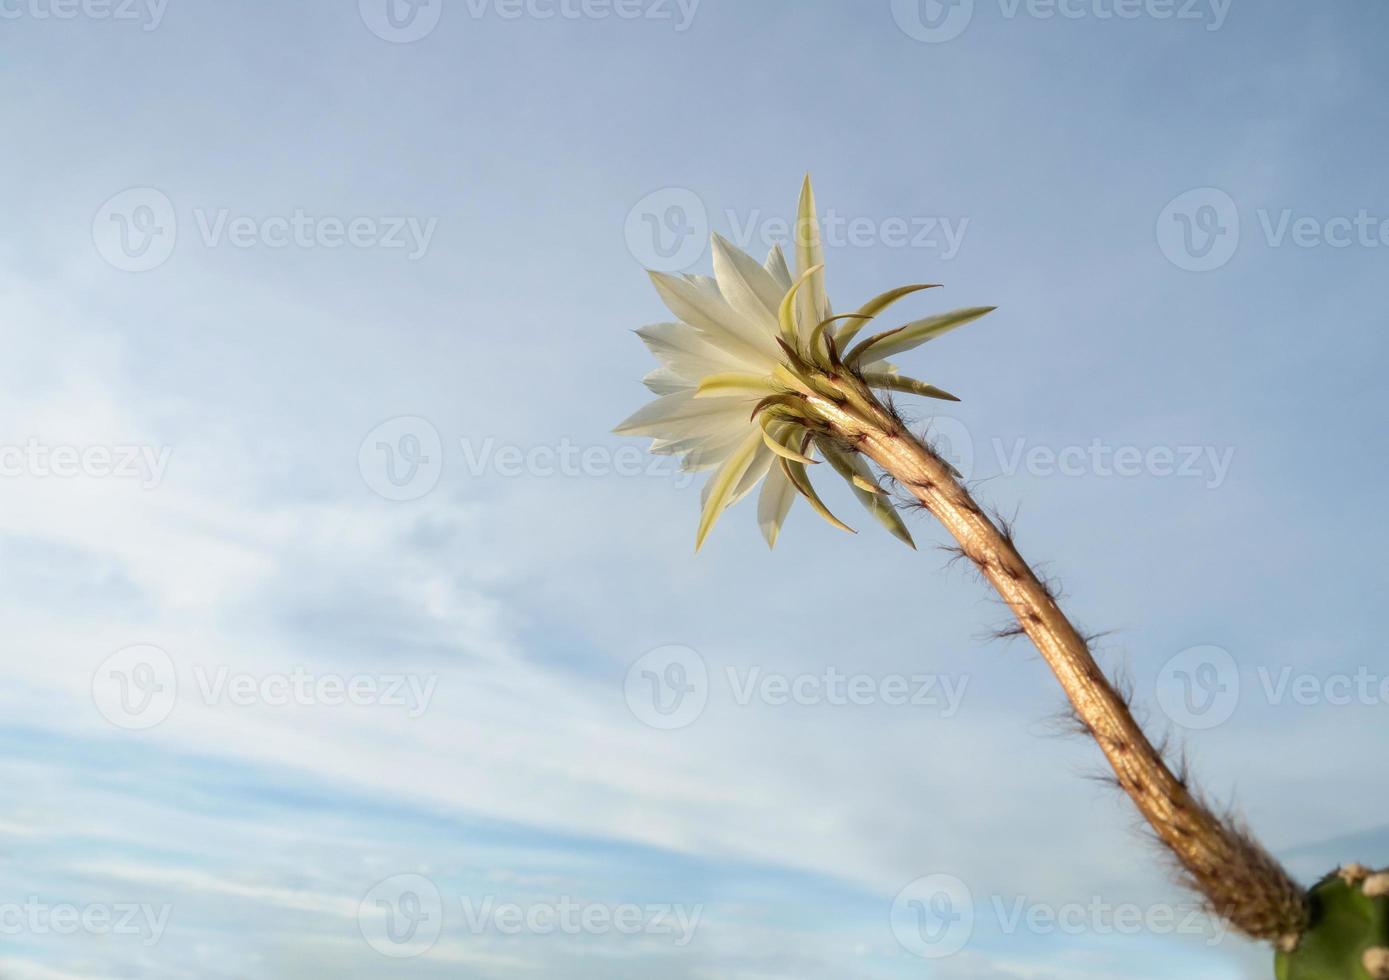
[853, 469]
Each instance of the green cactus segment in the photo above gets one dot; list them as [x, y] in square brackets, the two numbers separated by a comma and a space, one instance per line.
[1348, 934]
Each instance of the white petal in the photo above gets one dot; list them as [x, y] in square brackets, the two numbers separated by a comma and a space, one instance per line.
[774, 503]
[697, 301]
[778, 269]
[683, 350]
[664, 381]
[748, 287]
[757, 469]
[682, 416]
[723, 484]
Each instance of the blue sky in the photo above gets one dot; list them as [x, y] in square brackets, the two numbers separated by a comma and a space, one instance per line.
[331, 605]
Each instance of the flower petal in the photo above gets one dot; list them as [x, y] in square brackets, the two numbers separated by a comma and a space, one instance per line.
[774, 503]
[664, 381]
[699, 303]
[749, 288]
[682, 416]
[682, 349]
[777, 267]
[724, 484]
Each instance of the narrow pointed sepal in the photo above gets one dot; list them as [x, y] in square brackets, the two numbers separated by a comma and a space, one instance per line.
[822, 339]
[795, 472]
[876, 305]
[868, 486]
[853, 469]
[786, 316]
[724, 385]
[895, 382]
[777, 446]
[913, 335]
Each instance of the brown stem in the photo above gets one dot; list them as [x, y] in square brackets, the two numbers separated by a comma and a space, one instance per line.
[1240, 880]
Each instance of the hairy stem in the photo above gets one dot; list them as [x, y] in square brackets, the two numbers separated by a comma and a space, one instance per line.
[1239, 879]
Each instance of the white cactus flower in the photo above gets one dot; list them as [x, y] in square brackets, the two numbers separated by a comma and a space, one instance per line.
[742, 366]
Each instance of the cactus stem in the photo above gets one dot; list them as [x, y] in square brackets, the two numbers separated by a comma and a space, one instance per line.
[1239, 879]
